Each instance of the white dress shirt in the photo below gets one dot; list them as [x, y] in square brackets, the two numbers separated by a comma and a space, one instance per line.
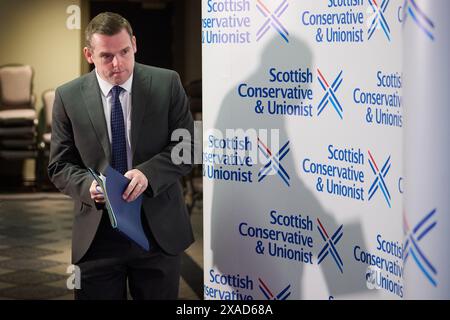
[125, 101]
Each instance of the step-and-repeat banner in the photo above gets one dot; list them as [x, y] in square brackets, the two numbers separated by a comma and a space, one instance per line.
[426, 70]
[303, 122]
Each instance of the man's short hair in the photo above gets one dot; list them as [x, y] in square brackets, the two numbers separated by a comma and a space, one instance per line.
[107, 23]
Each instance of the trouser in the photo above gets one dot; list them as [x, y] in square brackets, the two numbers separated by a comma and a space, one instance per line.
[112, 260]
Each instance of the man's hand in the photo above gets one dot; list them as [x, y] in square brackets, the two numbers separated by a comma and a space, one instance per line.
[137, 185]
[96, 192]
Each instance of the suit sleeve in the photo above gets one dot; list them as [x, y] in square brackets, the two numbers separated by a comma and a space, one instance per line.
[66, 169]
[160, 170]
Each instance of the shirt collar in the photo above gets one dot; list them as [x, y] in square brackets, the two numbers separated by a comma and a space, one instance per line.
[106, 87]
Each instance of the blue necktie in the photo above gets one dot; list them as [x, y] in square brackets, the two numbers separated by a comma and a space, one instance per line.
[119, 144]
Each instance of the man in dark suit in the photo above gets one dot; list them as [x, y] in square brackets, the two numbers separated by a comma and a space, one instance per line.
[123, 114]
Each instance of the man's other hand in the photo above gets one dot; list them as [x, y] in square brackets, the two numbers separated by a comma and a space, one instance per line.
[96, 192]
[137, 185]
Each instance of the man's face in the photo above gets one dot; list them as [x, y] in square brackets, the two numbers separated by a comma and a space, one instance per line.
[113, 56]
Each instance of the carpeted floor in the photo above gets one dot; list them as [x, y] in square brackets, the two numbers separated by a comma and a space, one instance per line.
[35, 237]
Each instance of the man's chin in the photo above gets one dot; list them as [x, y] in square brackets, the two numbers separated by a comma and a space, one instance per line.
[118, 78]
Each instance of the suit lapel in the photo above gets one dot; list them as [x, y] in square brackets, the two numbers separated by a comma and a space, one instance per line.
[93, 102]
[140, 97]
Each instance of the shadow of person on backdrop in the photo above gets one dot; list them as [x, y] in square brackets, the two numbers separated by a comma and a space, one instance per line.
[234, 203]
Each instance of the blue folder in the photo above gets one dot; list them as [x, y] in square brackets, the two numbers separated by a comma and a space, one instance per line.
[124, 216]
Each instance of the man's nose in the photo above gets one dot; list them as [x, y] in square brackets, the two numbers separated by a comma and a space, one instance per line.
[115, 61]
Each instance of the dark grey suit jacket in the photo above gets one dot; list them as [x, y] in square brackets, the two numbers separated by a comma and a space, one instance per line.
[80, 140]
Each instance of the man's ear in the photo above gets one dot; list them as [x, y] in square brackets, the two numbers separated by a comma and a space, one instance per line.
[88, 55]
[133, 42]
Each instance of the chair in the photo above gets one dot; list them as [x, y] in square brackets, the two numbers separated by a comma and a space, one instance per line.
[194, 181]
[18, 117]
[48, 98]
